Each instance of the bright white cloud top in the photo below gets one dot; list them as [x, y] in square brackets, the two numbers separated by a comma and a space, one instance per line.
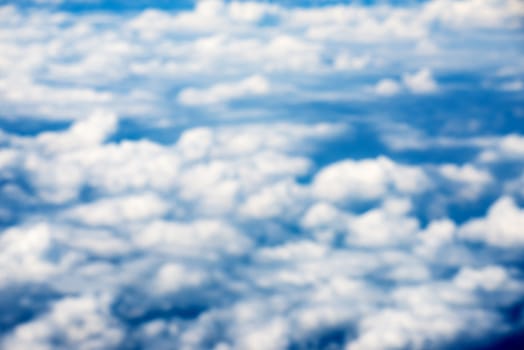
[260, 176]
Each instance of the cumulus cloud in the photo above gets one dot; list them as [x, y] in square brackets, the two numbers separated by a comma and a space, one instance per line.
[204, 238]
[493, 14]
[91, 131]
[509, 147]
[252, 86]
[279, 200]
[83, 322]
[118, 211]
[470, 180]
[326, 216]
[466, 174]
[416, 319]
[387, 87]
[172, 277]
[420, 82]
[24, 251]
[367, 179]
[345, 61]
[501, 227]
[56, 77]
[388, 225]
[515, 186]
[488, 278]
[437, 234]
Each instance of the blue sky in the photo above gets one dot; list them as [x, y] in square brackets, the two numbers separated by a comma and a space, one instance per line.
[261, 175]
[120, 5]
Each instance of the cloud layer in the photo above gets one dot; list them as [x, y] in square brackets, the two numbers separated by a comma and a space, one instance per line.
[249, 175]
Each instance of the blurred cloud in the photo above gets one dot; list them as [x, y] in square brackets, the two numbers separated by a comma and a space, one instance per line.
[420, 82]
[501, 227]
[252, 86]
[256, 175]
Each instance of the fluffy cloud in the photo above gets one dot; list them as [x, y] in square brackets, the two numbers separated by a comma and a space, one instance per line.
[296, 207]
[426, 316]
[515, 186]
[465, 174]
[367, 179]
[172, 277]
[252, 86]
[387, 87]
[82, 322]
[118, 211]
[437, 234]
[233, 43]
[509, 147]
[204, 238]
[388, 225]
[501, 226]
[24, 253]
[475, 13]
[91, 131]
[470, 180]
[421, 82]
[489, 278]
[279, 200]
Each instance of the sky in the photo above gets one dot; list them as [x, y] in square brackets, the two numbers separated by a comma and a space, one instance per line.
[261, 175]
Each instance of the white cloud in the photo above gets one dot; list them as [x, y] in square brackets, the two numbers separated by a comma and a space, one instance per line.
[26, 97]
[367, 179]
[236, 141]
[387, 87]
[466, 174]
[251, 11]
[118, 210]
[204, 239]
[423, 316]
[437, 234]
[509, 147]
[8, 159]
[322, 215]
[88, 132]
[421, 82]
[23, 255]
[515, 186]
[293, 252]
[64, 65]
[95, 242]
[357, 24]
[474, 13]
[515, 85]
[59, 164]
[470, 180]
[253, 86]
[172, 277]
[501, 227]
[266, 336]
[344, 61]
[394, 329]
[231, 218]
[83, 322]
[228, 167]
[388, 225]
[489, 278]
[279, 200]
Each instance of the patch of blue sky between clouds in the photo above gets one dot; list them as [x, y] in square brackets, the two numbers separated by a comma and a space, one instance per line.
[261, 175]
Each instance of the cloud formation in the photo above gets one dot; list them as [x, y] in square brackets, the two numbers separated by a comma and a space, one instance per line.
[250, 175]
